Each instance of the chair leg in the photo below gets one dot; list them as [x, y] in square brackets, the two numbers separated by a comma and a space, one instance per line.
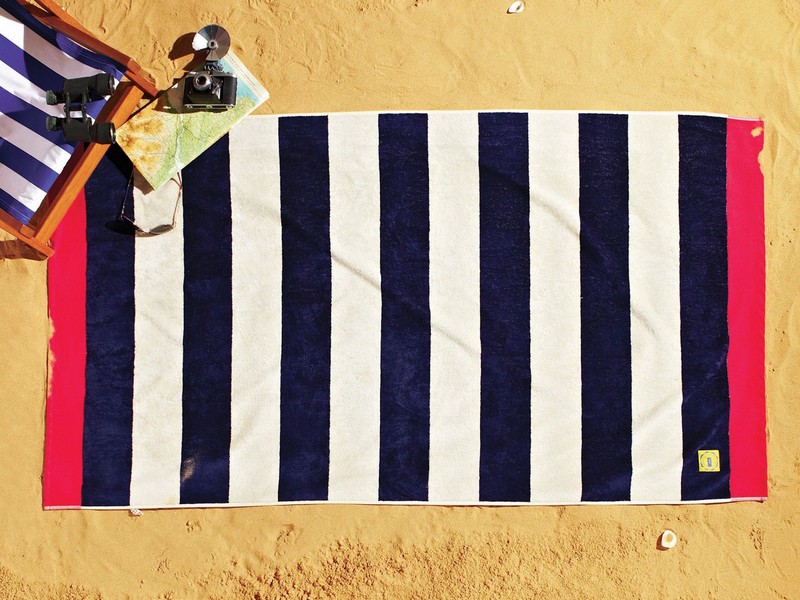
[25, 245]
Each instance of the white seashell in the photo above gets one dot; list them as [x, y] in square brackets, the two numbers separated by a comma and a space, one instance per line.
[516, 8]
[667, 539]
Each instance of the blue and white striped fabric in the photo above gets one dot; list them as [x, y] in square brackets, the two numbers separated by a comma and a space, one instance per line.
[34, 59]
[450, 307]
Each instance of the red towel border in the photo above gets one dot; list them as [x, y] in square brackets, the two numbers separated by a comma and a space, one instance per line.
[746, 305]
[63, 450]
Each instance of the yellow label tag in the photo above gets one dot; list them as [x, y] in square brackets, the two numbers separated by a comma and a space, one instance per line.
[709, 461]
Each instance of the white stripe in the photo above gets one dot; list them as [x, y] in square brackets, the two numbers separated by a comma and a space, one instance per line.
[20, 188]
[555, 308]
[27, 140]
[655, 307]
[256, 350]
[158, 358]
[455, 397]
[42, 50]
[355, 308]
[17, 85]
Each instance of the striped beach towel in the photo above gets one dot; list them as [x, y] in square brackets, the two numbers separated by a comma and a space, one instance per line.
[34, 59]
[443, 307]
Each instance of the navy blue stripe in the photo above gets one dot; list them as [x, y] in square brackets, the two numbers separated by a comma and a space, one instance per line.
[26, 166]
[31, 117]
[108, 408]
[704, 302]
[406, 316]
[306, 319]
[207, 330]
[14, 207]
[505, 307]
[605, 308]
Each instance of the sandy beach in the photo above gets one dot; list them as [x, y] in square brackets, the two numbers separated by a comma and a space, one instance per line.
[739, 57]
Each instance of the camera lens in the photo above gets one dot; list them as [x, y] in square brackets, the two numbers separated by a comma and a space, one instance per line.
[201, 82]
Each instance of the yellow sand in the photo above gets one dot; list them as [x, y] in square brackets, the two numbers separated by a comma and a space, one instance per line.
[738, 57]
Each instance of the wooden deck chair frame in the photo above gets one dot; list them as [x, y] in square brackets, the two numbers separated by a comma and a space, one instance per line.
[36, 234]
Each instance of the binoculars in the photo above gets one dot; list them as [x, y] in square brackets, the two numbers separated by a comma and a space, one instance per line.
[74, 95]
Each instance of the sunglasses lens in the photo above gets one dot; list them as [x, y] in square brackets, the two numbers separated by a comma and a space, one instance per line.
[161, 229]
[123, 226]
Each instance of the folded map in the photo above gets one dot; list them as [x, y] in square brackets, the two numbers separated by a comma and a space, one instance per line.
[163, 137]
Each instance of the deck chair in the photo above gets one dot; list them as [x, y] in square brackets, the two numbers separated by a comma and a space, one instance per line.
[40, 172]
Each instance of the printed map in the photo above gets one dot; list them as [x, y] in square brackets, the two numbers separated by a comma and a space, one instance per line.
[163, 138]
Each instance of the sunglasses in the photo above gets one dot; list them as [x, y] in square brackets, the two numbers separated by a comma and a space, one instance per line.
[125, 225]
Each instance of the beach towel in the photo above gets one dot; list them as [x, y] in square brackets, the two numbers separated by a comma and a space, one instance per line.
[455, 308]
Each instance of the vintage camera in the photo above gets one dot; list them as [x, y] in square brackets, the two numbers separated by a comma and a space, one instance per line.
[209, 89]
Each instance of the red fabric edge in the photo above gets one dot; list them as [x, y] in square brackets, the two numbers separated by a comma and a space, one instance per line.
[66, 302]
[746, 305]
